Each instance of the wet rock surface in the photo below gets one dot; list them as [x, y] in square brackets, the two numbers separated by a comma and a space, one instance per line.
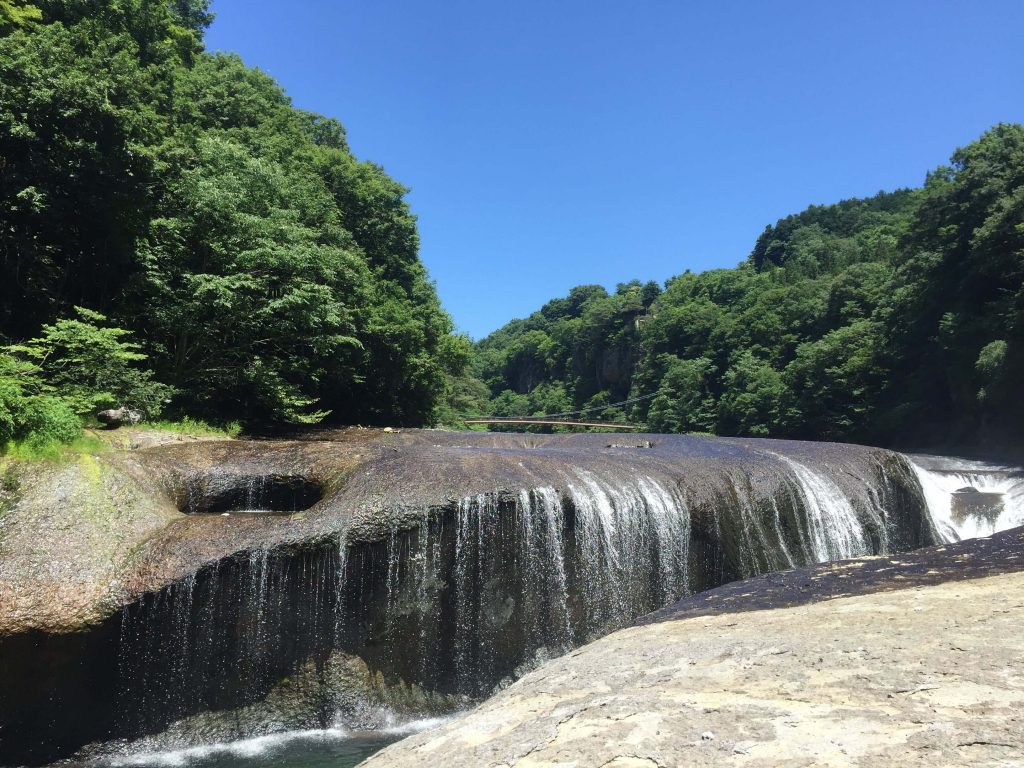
[177, 588]
[80, 539]
[999, 554]
[923, 665]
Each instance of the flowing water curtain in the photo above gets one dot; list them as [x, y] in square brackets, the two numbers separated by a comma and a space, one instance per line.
[510, 591]
[533, 574]
[941, 486]
[759, 551]
[834, 530]
[505, 580]
[550, 557]
[225, 635]
[479, 591]
[631, 548]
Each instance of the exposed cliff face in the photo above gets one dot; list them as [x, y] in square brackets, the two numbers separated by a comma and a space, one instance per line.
[327, 577]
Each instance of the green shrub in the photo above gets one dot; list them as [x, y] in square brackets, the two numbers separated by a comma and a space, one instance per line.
[190, 426]
[92, 367]
[31, 420]
[49, 419]
[27, 411]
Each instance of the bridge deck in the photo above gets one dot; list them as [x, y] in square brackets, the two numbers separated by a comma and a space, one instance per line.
[554, 423]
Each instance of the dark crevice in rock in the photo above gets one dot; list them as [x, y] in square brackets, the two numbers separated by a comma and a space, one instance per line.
[250, 494]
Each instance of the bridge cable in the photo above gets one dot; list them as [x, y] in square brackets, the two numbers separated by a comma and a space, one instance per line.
[573, 413]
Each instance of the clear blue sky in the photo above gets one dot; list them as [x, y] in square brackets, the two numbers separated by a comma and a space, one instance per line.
[551, 144]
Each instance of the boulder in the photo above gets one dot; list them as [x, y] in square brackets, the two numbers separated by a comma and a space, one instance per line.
[113, 418]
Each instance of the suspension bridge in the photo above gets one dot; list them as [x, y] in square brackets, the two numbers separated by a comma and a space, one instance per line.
[567, 419]
[549, 422]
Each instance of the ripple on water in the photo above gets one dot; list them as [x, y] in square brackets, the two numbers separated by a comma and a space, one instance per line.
[335, 747]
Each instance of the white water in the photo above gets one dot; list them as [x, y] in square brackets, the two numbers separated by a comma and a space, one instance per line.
[253, 747]
[630, 545]
[531, 575]
[942, 477]
[625, 533]
[835, 531]
[257, 746]
[626, 545]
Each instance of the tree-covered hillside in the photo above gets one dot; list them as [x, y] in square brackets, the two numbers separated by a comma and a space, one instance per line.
[265, 274]
[175, 236]
[896, 319]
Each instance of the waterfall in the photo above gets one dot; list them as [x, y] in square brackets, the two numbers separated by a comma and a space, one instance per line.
[632, 546]
[455, 600]
[834, 530]
[967, 499]
[223, 636]
[434, 575]
[472, 596]
[537, 573]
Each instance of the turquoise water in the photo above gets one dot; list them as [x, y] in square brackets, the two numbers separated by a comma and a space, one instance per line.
[296, 749]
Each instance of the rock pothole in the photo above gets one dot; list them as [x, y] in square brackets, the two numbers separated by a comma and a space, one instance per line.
[252, 494]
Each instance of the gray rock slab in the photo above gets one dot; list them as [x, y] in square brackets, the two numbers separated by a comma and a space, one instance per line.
[924, 676]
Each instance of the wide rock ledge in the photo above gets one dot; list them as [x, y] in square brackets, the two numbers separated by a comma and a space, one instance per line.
[210, 591]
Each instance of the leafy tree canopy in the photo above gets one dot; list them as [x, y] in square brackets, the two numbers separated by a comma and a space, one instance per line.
[267, 274]
[895, 319]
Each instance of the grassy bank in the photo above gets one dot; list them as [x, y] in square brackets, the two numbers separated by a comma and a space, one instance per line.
[93, 440]
[188, 426]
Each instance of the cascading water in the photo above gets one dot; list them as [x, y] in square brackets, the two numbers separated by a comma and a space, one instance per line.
[631, 547]
[967, 499]
[472, 595]
[835, 531]
[224, 636]
[415, 611]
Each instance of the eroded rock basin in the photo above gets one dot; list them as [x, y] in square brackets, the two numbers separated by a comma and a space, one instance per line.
[221, 590]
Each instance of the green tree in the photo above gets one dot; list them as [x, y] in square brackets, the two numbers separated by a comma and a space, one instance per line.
[90, 367]
[835, 382]
[753, 399]
[685, 402]
[989, 366]
[27, 412]
[247, 283]
[957, 284]
[896, 317]
[18, 13]
[271, 276]
[76, 132]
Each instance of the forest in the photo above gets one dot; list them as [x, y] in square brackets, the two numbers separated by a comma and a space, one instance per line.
[177, 238]
[893, 320]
